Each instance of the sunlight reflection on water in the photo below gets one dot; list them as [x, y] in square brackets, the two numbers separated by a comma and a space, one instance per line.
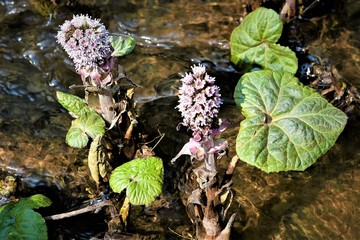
[320, 203]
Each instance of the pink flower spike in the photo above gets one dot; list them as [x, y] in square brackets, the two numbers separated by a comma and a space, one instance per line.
[85, 40]
[199, 102]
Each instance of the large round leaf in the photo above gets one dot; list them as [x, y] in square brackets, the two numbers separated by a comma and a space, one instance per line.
[142, 178]
[254, 42]
[288, 126]
[87, 125]
[19, 221]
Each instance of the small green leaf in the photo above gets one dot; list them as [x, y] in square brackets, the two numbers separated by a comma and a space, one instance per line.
[19, 221]
[254, 42]
[122, 45]
[34, 202]
[73, 103]
[288, 126]
[142, 178]
[88, 125]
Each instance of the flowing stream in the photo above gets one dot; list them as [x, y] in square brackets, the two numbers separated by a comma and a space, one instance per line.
[319, 203]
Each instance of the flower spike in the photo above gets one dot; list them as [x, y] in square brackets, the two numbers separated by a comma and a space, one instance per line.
[199, 102]
[86, 41]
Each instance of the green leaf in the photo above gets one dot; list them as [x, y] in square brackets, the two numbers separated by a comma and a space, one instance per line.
[19, 221]
[254, 42]
[34, 202]
[142, 178]
[73, 104]
[88, 125]
[288, 126]
[122, 45]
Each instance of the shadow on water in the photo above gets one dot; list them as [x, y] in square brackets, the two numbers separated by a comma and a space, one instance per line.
[319, 203]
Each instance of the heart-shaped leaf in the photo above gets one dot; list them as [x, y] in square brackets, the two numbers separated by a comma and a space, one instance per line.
[73, 104]
[122, 45]
[142, 178]
[87, 125]
[254, 42]
[19, 221]
[288, 126]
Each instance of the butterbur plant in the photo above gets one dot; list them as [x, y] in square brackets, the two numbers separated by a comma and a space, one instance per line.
[107, 116]
[199, 104]
[94, 52]
[288, 126]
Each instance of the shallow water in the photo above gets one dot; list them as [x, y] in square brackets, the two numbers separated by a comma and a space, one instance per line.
[319, 203]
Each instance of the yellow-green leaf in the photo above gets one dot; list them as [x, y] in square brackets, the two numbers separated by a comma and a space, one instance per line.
[253, 42]
[288, 126]
[87, 125]
[142, 178]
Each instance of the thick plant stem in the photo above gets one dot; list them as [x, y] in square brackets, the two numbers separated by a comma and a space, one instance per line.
[210, 223]
[106, 103]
